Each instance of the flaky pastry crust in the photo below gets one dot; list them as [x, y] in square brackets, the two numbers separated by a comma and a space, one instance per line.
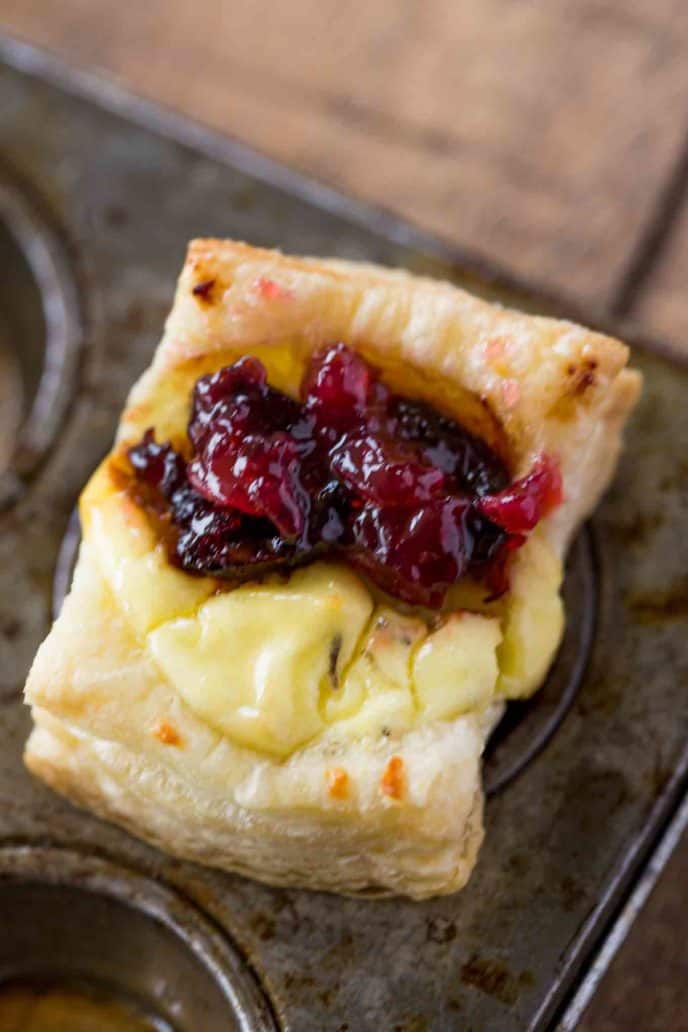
[387, 816]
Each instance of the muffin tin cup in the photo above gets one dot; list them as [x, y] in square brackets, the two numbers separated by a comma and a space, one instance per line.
[79, 921]
[40, 334]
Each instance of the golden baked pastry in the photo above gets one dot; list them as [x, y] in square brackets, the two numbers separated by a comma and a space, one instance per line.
[305, 727]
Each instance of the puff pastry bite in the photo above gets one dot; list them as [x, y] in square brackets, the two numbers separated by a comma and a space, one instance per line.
[292, 678]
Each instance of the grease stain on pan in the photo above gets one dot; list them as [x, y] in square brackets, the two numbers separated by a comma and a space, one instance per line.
[659, 607]
[45, 1006]
[493, 977]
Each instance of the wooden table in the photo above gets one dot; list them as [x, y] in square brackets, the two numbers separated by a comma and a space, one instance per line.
[551, 136]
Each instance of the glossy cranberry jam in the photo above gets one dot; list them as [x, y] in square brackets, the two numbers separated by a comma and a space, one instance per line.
[403, 493]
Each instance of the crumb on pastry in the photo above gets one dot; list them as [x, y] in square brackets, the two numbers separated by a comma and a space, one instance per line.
[393, 780]
[204, 290]
[166, 733]
[270, 290]
[337, 783]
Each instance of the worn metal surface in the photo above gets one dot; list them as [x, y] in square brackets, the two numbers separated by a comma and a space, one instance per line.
[77, 917]
[568, 835]
[39, 334]
[667, 851]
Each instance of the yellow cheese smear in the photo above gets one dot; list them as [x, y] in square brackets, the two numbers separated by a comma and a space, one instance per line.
[253, 661]
[280, 663]
[533, 620]
[148, 589]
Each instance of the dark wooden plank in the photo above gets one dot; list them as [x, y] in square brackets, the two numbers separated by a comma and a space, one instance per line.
[645, 987]
[535, 133]
[662, 306]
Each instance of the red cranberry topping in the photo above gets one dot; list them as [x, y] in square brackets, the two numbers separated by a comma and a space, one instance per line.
[336, 387]
[385, 471]
[521, 506]
[414, 553]
[258, 476]
[158, 465]
[407, 495]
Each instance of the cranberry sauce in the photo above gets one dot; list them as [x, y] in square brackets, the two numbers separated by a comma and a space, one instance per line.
[405, 494]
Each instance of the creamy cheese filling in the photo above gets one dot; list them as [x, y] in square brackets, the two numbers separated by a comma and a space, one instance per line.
[286, 661]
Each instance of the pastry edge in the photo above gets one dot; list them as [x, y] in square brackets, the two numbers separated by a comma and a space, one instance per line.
[72, 767]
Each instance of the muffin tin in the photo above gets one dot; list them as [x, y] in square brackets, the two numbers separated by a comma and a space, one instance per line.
[95, 212]
[82, 922]
[39, 334]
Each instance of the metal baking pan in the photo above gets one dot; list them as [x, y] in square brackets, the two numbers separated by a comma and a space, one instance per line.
[99, 194]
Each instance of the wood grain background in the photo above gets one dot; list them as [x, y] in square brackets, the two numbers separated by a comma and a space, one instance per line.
[550, 135]
[540, 133]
